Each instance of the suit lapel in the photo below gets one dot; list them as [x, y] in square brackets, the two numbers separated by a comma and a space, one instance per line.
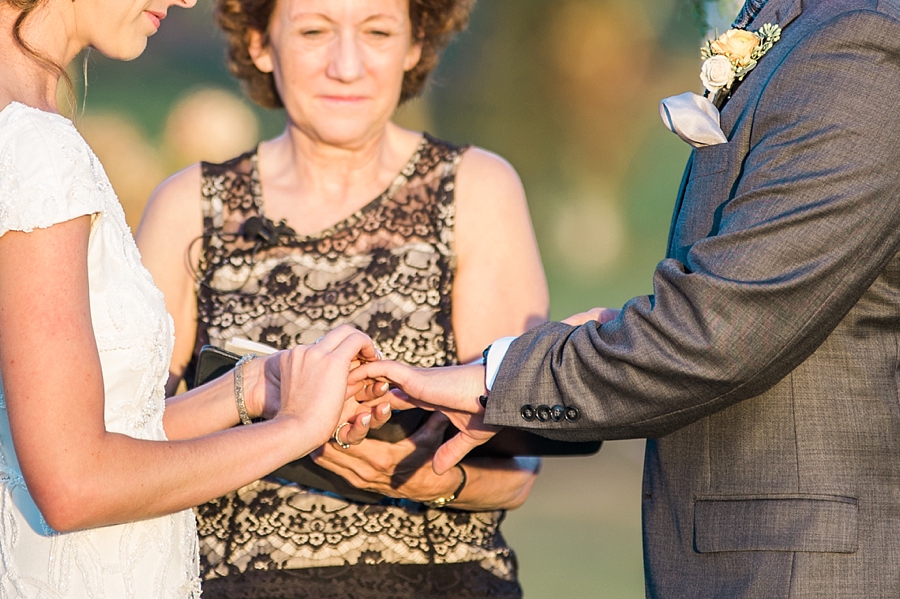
[783, 12]
[678, 200]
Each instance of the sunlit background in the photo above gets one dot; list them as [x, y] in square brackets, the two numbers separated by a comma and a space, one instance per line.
[567, 91]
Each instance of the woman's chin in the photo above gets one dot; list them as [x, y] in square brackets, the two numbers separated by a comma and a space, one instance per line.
[124, 52]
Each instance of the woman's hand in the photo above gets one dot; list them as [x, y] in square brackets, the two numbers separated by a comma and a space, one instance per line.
[454, 390]
[401, 469]
[601, 315]
[309, 384]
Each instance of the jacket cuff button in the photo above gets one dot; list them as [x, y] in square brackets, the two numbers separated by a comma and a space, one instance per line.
[543, 413]
[557, 413]
[572, 414]
[528, 412]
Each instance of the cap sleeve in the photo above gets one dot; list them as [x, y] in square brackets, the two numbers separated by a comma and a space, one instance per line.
[47, 172]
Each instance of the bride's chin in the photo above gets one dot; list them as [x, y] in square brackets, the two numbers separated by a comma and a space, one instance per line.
[124, 52]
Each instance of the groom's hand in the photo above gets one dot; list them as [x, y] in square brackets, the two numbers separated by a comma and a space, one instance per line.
[453, 390]
[601, 315]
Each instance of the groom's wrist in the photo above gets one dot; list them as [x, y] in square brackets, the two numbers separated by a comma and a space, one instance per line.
[493, 357]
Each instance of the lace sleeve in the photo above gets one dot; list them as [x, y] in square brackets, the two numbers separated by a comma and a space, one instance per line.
[47, 173]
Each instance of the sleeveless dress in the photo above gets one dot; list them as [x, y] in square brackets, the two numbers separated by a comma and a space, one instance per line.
[49, 175]
[387, 270]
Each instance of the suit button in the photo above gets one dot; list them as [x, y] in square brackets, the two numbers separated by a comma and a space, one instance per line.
[557, 413]
[543, 413]
[572, 414]
[528, 412]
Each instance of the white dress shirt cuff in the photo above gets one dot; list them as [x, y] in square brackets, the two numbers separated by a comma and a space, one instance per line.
[494, 358]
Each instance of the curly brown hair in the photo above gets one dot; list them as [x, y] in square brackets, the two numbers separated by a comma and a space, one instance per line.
[434, 23]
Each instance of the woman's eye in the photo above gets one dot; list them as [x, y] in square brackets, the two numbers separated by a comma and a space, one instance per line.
[379, 33]
[311, 32]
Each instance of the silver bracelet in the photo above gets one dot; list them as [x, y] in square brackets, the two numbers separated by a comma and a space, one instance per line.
[239, 388]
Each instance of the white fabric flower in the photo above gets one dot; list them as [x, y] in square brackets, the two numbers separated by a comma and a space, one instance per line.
[717, 72]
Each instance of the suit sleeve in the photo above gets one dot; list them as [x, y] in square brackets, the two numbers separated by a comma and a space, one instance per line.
[812, 222]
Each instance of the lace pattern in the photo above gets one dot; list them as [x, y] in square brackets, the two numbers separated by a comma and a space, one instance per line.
[49, 175]
[388, 270]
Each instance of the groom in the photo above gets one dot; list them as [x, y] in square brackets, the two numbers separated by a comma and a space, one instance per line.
[765, 368]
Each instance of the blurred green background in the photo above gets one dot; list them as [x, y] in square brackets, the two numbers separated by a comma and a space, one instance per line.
[567, 91]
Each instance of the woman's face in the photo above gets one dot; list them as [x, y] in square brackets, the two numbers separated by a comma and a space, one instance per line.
[338, 64]
[119, 28]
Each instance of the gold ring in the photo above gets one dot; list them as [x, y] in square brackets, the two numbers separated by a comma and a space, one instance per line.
[337, 438]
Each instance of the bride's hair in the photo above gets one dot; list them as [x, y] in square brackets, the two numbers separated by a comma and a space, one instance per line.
[26, 8]
[434, 24]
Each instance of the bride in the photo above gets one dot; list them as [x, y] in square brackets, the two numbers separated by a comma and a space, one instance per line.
[96, 478]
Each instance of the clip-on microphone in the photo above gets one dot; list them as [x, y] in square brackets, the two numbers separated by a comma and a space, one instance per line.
[261, 230]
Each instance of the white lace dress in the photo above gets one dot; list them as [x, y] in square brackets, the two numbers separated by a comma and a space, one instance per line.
[49, 175]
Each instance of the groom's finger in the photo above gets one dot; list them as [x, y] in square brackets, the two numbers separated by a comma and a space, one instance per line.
[401, 401]
[384, 370]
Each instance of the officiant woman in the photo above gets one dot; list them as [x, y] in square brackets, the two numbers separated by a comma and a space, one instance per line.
[347, 218]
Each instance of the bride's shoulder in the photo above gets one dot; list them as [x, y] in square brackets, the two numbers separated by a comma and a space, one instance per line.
[33, 139]
[47, 171]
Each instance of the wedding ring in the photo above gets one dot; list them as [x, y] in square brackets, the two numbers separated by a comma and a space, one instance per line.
[319, 339]
[337, 436]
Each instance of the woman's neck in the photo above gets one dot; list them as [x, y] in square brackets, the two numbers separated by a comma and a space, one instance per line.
[314, 185]
[22, 77]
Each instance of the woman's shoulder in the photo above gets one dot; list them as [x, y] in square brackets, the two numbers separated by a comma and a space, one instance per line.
[174, 205]
[48, 173]
[41, 143]
[465, 162]
[484, 173]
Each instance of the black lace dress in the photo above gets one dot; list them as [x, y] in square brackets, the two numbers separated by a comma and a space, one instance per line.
[388, 270]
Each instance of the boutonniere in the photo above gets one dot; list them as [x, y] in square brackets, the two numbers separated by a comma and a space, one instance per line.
[732, 55]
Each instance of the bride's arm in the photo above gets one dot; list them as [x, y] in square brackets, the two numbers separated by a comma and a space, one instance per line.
[79, 474]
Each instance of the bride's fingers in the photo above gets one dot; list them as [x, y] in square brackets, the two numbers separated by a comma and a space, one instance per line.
[350, 343]
[380, 415]
[369, 390]
[354, 431]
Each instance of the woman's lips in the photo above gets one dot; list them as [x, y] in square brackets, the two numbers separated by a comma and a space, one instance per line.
[155, 17]
[344, 99]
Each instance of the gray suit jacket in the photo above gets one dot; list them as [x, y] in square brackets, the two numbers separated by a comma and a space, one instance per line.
[765, 368]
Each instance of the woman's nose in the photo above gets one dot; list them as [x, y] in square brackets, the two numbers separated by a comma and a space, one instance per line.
[185, 3]
[346, 61]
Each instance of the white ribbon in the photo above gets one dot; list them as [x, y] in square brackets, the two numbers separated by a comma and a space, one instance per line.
[693, 118]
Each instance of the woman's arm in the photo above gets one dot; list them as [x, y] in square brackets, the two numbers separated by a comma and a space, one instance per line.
[499, 290]
[79, 474]
[169, 227]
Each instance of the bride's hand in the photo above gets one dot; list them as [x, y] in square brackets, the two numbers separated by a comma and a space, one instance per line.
[309, 384]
